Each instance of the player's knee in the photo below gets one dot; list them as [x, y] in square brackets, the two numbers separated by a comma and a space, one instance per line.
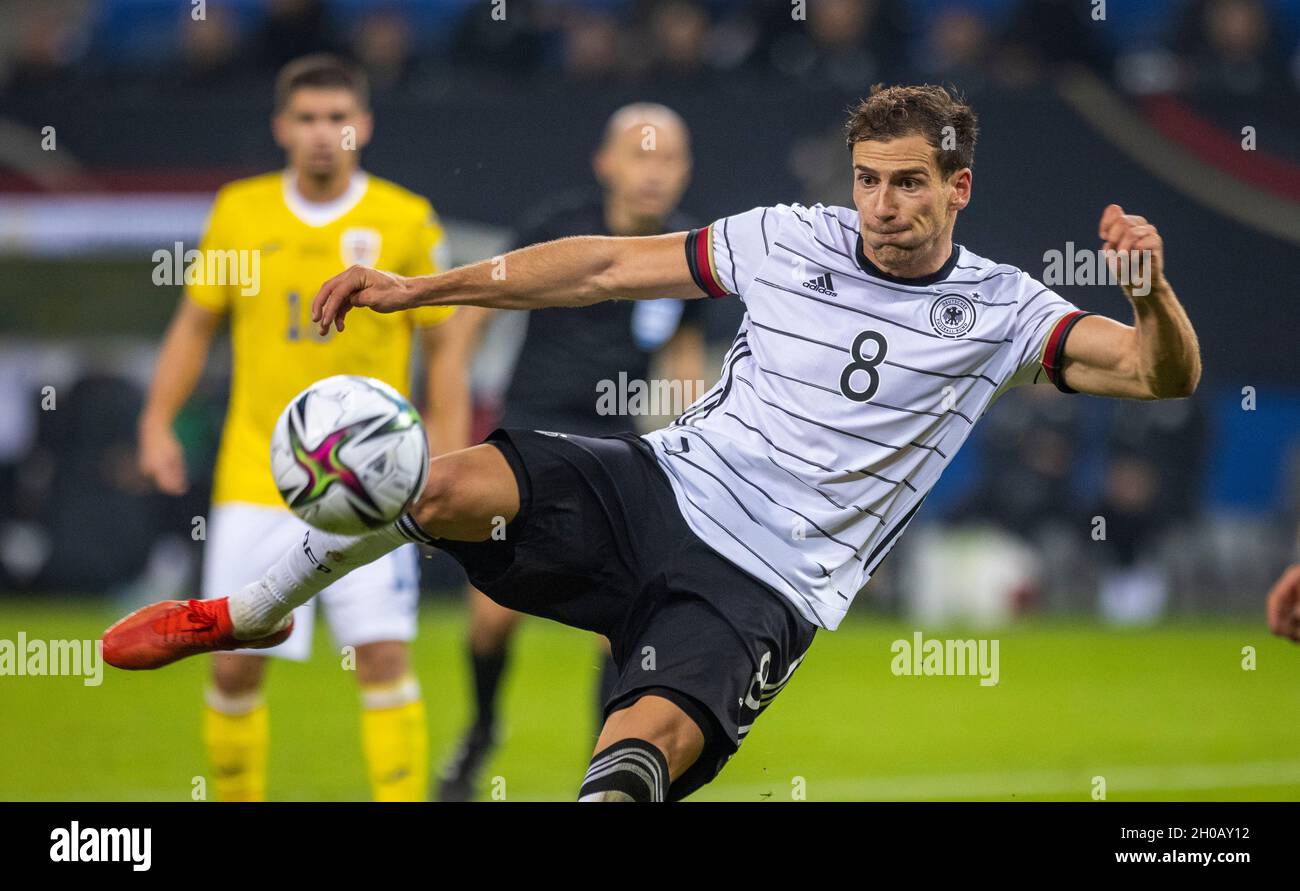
[382, 662]
[438, 503]
[237, 675]
[467, 497]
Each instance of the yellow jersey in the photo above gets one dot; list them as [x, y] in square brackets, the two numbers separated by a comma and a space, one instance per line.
[285, 249]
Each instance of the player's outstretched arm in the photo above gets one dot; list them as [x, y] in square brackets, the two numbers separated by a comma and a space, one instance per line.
[1157, 357]
[568, 272]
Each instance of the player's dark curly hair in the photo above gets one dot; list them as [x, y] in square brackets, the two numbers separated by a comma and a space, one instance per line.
[892, 112]
[321, 70]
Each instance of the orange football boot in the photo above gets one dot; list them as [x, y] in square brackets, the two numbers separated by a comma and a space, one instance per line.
[161, 633]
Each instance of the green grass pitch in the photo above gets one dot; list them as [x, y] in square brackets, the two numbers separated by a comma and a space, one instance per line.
[1167, 714]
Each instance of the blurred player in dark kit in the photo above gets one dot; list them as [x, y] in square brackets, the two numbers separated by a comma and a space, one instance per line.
[569, 357]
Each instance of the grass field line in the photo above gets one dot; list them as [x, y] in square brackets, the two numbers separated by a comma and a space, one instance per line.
[1008, 784]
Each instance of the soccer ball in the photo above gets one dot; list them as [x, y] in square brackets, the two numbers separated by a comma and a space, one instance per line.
[349, 454]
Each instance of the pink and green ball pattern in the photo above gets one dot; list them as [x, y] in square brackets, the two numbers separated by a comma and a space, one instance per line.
[324, 467]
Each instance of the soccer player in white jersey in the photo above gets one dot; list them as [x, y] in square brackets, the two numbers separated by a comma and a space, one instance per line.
[710, 552]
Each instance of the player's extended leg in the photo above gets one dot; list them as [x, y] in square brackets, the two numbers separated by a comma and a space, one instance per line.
[394, 730]
[491, 628]
[641, 750]
[235, 727]
[469, 494]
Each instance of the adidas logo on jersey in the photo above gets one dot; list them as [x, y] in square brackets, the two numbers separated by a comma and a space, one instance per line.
[821, 284]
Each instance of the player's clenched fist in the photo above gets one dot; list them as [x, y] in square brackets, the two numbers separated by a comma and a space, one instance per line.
[1284, 605]
[359, 286]
[1132, 235]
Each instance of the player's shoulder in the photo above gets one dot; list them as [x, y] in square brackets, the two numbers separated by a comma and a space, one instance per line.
[828, 225]
[996, 282]
[831, 226]
[251, 190]
[398, 200]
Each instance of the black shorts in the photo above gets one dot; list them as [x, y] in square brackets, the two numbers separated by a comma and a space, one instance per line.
[600, 544]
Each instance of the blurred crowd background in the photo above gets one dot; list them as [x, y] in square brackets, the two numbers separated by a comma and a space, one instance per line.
[1186, 112]
[1241, 47]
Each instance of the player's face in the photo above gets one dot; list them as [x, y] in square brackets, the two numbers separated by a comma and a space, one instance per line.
[322, 130]
[906, 206]
[645, 169]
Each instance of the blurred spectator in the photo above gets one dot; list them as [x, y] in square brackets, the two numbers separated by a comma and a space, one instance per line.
[210, 51]
[956, 47]
[594, 45]
[845, 44]
[1028, 444]
[1151, 486]
[383, 45]
[820, 164]
[95, 520]
[293, 28]
[1234, 46]
[1046, 35]
[18, 400]
[1231, 46]
[1008, 541]
[734, 38]
[47, 42]
[679, 35]
[513, 44]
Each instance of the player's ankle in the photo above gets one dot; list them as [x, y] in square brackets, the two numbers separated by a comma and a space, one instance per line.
[255, 611]
[253, 631]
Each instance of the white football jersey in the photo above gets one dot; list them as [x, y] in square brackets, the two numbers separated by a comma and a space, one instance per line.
[845, 394]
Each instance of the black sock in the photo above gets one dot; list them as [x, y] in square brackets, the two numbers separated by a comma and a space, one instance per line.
[628, 770]
[487, 668]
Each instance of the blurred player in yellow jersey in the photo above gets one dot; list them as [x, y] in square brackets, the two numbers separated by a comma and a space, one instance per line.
[302, 225]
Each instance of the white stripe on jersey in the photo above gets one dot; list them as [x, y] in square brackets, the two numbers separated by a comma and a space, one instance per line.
[844, 396]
